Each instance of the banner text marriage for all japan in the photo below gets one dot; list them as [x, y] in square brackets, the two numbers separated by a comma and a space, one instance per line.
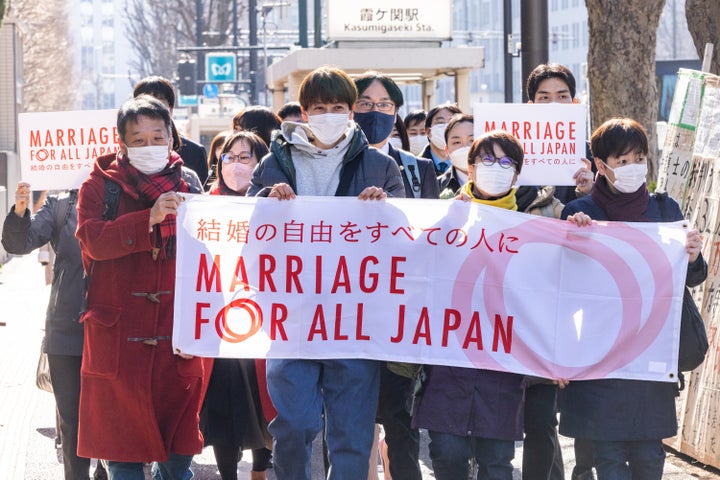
[428, 281]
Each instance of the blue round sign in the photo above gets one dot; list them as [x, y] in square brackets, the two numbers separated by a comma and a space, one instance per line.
[210, 90]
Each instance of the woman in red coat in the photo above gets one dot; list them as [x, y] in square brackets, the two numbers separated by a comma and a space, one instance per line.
[237, 406]
[139, 401]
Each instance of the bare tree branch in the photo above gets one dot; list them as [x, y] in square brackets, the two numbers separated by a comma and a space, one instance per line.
[47, 56]
[157, 29]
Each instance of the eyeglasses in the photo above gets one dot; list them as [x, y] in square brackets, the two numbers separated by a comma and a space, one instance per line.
[363, 106]
[240, 158]
[504, 162]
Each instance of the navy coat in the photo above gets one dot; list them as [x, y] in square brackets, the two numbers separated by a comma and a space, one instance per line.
[624, 410]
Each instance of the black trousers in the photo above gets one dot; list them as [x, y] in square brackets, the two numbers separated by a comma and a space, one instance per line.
[65, 376]
[542, 455]
[403, 442]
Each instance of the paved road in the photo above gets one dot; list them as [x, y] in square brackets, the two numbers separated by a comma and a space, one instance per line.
[27, 420]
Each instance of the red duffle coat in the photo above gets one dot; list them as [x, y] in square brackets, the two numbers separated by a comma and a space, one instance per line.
[138, 400]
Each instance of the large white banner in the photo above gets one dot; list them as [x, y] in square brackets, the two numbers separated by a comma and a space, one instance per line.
[58, 149]
[428, 281]
[553, 136]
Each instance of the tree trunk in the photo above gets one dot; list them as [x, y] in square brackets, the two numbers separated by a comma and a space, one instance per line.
[621, 64]
[703, 19]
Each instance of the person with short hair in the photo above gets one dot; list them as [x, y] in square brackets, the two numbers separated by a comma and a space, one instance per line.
[291, 112]
[415, 126]
[139, 399]
[375, 110]
[459, 136]
[470, 412]
[327, 156]
[435, 123]
[542, 454]
[626, 420]
[193, 154]
[379, 99]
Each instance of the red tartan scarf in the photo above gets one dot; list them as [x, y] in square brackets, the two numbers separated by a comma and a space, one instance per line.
[149, 188]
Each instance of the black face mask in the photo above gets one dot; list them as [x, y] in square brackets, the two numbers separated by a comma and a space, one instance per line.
[377, 126]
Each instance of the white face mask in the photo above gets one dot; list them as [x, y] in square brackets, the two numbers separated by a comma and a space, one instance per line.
[396, 143]
[437, 135]
[459, 158]
[417, 143]
[493, 179]
[328, 127]
[237, 175]
[150, 159]
[630, 178]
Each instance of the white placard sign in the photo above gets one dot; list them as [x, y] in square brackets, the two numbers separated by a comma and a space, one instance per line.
[58, 149]
[553, 137]
[377, 20]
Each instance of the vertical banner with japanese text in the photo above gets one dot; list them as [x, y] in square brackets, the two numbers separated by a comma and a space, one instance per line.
[693, 174]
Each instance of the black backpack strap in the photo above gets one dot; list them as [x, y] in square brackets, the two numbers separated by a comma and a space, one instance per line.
[112, 199]
[410, 169]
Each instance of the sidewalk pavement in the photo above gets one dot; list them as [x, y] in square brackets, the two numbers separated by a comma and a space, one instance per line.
[27, 415]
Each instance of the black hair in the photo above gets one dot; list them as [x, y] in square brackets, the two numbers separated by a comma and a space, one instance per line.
[158, 87]
[451, 107]
[509, 144]
[142, 105]
[618, 136]
[549, 70]
[363, 82]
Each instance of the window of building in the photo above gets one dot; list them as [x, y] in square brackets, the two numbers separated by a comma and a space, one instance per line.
[575, 35]
[108, 34]
[87, 62]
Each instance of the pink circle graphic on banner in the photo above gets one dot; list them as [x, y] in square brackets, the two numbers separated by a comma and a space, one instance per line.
[632, 338]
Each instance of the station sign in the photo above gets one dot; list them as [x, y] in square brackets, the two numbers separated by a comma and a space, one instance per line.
[381, 20]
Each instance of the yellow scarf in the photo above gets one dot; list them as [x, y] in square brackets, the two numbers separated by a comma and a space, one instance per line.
[507, 202]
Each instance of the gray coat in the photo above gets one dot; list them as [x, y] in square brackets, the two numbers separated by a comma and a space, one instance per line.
[21, 235]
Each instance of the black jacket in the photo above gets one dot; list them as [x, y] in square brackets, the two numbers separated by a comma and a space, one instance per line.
[21, 235]
[194, 157]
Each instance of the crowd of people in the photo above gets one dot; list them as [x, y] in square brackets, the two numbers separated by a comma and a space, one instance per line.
[125, 397]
